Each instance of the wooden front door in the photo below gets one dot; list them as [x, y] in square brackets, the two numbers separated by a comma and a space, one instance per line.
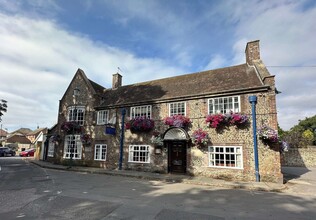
[177, 157]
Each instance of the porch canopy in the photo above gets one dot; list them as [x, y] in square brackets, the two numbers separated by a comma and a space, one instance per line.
[175, 133]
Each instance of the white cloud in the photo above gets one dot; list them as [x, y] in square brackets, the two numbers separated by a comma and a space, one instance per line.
[40, 65]
[286, 32]
[38, 60]
[216, 62]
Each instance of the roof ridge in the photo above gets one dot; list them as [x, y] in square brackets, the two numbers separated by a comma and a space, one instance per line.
[178, 76]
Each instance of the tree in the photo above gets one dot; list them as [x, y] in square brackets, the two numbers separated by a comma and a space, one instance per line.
[302, 134]
[3, 107]
[281, 132]
[308, 136]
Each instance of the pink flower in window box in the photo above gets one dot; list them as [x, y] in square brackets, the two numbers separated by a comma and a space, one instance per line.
[140, 124]
[177, 121]
[215, 120]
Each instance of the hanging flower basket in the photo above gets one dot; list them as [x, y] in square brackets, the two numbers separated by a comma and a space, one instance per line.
[55, 138]
[156, 139]
[200, 137]
[70, 126]
[85, 138]
[268, 134]
[284, 146]
[140, 124]
[177, 121]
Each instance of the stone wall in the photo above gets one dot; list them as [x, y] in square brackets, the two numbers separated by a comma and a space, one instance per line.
[299, 157]
[197, 158]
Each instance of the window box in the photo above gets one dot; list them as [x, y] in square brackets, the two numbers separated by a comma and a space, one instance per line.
[70, 127]
[224, 120]
[177, 121]
[140, 124]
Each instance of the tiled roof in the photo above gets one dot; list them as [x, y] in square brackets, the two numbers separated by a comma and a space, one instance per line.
[22, 131]
[18, 139]
[3, 133]
[37, 131]
[98, 88]
[217, 81]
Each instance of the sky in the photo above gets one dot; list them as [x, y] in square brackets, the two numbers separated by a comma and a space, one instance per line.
[44, 42]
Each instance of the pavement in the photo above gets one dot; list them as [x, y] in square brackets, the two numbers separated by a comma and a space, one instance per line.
[195, 180]
[300, 180]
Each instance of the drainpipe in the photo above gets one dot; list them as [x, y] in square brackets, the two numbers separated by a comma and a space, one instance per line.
[122, 139]
[253, 102]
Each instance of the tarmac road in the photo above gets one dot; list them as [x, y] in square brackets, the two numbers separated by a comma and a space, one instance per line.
[28, 191]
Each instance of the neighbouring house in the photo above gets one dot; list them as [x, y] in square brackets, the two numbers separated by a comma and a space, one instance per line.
[25, 138]
[194, 124]
[3, 135]
[18, 142]
[21, 131]
[37, 138]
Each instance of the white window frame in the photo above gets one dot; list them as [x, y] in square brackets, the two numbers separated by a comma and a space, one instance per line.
[136, 151]
[77, 146]
[100, 152]
[102, 117]
[51, 148]
[141, 111]
[222, 159]
[224, 105]
[174, 108]
[76, 113]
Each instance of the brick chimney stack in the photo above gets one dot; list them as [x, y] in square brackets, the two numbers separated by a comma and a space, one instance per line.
[252, 51]
[116, 80]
